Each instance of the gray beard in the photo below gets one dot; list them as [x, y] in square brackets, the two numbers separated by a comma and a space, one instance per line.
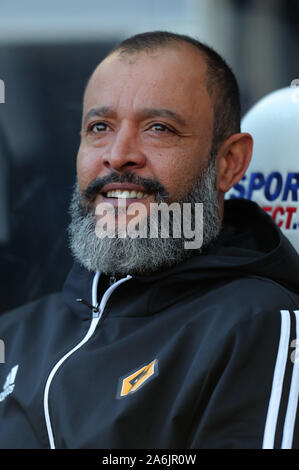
[141, 256]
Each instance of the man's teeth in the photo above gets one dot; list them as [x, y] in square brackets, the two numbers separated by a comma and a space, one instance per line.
[126, 194]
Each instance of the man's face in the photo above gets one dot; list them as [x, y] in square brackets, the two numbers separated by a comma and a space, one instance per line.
[147, 114]
[146, 137]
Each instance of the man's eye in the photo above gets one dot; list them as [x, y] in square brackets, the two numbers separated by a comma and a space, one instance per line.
[98, 127]
[161, 128]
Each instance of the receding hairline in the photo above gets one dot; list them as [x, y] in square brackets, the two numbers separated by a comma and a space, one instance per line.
[123, 52]
[172, 42]
[167, 43]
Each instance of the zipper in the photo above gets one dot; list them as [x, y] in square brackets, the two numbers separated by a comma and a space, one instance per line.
[97, 311]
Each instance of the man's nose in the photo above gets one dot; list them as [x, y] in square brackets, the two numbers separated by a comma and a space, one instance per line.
[125, 151]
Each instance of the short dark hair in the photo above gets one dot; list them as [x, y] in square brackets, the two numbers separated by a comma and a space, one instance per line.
[221, 82]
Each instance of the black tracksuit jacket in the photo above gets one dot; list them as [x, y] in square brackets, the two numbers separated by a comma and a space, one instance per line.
[202, 355]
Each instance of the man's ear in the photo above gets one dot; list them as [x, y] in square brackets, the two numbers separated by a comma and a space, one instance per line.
[233, 158]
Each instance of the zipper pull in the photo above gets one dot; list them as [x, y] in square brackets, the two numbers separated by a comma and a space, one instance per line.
[94, 309]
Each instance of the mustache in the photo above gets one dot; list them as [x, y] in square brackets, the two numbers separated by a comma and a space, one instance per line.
[151, 186]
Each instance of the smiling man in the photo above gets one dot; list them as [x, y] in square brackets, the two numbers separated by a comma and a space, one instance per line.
[164, 347]
[150, 135]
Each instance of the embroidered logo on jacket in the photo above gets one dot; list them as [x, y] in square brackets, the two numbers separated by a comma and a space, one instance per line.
[9, 384]
[135, 380]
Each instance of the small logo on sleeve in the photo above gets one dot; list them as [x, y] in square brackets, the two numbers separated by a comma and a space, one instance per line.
[135, 380]
[9, 384]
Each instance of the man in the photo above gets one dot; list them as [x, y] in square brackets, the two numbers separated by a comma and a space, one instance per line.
[151, 344]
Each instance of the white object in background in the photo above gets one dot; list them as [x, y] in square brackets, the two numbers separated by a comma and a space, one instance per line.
[272, 178]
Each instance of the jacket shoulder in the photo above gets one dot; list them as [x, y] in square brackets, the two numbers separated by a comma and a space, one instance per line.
[258, 290]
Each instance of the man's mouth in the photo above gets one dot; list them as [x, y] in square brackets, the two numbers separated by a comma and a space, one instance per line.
[125, 194]
[124, 191]
[129, 188]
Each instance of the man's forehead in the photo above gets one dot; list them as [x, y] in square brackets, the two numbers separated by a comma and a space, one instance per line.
[182, 56]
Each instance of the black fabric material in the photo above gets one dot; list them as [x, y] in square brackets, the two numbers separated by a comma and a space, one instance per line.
[212, 324]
